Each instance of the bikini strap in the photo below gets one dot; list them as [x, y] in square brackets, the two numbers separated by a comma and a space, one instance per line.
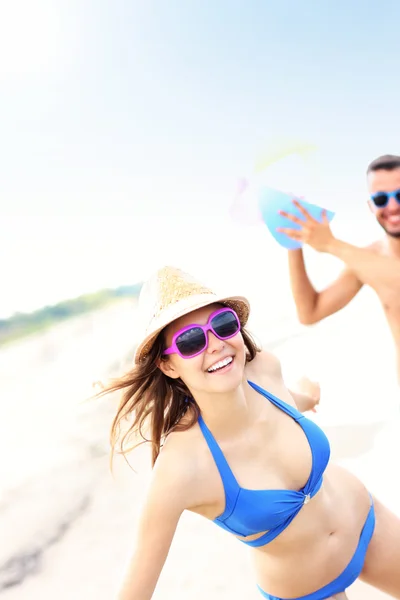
[230, 484]
[287, 408]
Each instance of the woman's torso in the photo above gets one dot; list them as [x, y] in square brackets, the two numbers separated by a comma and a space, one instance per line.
[275, 454]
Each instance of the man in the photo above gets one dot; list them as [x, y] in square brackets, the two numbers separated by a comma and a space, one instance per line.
[377, 265]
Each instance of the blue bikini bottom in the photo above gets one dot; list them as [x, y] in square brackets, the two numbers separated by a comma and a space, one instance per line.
[351, 572]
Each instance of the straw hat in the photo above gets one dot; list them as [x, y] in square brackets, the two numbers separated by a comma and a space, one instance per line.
[169, 295]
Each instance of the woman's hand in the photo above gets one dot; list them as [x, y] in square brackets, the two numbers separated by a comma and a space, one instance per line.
[311, 389]
[306, 394]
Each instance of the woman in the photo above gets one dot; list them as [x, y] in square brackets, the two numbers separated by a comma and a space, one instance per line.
[237, 450]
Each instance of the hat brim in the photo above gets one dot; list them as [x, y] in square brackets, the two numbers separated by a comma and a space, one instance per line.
[239, 304]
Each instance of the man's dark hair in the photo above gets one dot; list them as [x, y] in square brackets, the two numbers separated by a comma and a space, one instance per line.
[388, 162]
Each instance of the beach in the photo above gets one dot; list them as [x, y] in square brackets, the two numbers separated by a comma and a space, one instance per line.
[137, 135]
[68, 525]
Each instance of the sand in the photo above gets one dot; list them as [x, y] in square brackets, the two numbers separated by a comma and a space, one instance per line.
[68, 526]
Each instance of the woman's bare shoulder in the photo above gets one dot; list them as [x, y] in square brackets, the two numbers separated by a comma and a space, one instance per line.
[265, 364]
[180, 463]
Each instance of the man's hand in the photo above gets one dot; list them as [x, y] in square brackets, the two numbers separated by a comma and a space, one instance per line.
[316, 234]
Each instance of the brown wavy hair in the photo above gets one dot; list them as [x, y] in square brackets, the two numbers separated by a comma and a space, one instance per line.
[153, 401]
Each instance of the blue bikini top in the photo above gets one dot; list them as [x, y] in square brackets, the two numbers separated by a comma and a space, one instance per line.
[248, 512]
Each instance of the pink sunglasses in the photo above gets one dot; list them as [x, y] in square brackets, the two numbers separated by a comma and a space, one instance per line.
[192, 340]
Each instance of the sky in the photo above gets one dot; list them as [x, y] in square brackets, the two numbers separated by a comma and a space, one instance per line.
[125, 124]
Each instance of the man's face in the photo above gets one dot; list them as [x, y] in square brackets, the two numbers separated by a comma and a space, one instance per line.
[388, 216]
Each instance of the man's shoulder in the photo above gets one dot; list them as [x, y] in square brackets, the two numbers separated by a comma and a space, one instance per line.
[377, 246]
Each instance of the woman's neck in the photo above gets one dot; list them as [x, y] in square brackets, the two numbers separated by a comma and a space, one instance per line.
[227, 414]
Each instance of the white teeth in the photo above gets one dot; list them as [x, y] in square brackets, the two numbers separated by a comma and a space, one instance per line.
[394, 219]
[220, 364]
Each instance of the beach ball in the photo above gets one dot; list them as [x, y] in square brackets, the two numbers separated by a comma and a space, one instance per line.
[244, 208]
[286, 170]
[271, 201]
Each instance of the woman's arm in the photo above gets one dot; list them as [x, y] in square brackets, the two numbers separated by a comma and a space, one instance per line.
[167, 498]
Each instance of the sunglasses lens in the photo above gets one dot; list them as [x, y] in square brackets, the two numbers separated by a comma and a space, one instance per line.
[191, 341]
[225, 324]
[397, 195]
[380, 200]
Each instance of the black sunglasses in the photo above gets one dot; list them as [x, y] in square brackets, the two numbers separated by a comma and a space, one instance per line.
[380, 199]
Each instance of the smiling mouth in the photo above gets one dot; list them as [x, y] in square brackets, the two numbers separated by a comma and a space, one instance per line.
[221, 365]
[393, 219]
